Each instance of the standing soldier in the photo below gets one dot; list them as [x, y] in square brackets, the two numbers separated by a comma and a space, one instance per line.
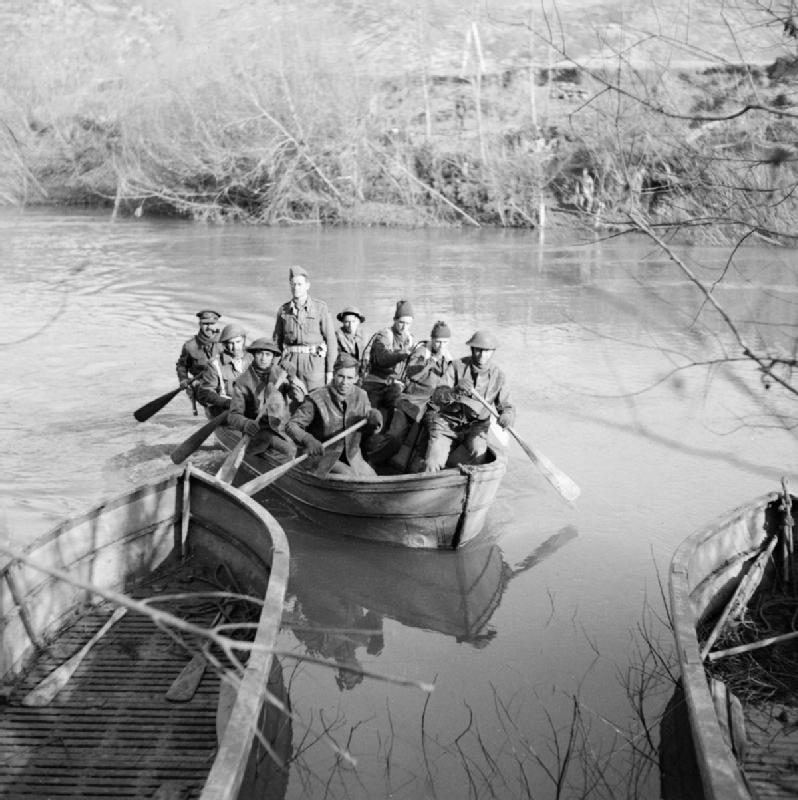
[305, 334]
[456, 416]
[197, 352]
[216, 383]
[349, 336]
[264, 397]
[388, 353]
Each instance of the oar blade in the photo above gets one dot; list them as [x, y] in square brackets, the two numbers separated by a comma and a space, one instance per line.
[184, 450]
[45, 691]
[185, 685]
[558, 479]
[154, 406]
[233, 461]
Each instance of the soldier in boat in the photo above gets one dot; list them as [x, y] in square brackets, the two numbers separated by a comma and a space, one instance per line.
[197, 352]
[305, 334]
[388, 353]
[326, 412]
[457, 422]
[215, 390]
[425, 368]
[264, 398]
[349, 336]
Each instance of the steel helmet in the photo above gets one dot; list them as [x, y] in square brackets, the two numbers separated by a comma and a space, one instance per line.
[231, 330]
[484, 340]
[264, 344]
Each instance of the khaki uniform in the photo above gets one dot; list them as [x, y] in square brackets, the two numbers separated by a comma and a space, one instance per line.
[354, 345]
[215, 390]
[195, 356]
[466, 421]
[251, 392]
[306, 336]
[324, 413]
[386, 361]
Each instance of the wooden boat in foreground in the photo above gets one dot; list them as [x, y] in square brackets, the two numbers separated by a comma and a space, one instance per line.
[436, 511]
[111, 731]
[745, 741]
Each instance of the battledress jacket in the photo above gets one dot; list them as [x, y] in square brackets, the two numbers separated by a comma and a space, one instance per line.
[251, 391]
[195, 356]
[322, 414]
[215, 388]
[490, 383]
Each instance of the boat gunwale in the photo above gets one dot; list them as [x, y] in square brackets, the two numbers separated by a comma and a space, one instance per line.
[226, 772]
[450, 476]
[721, 776]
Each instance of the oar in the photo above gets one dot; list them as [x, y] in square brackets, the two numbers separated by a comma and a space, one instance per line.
[42, 694]
[185, 685]
[256, 484]
[233, 461]
[556, 477]
[234, 458]
[154, 406]
[183, 451]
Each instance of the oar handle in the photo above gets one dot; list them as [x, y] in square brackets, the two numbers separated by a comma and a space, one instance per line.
[256, 484]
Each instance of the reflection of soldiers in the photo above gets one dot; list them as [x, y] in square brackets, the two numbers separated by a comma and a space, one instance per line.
[338, 638]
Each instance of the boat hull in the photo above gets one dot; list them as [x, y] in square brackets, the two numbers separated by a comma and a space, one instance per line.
[704, 573]
[444, 510]
[187, 519]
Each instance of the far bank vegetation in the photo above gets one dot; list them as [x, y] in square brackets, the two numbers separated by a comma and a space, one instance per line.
[257, 114]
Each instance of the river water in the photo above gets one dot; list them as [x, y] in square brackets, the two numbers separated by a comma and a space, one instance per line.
[535, 638]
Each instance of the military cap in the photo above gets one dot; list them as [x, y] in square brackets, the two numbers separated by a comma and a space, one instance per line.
[350, 310]
[345, 360]
[296, 272]
[484, 340]
[208, 315]
[263, 344]
[440, 330]
[231, 330]
[403, 309]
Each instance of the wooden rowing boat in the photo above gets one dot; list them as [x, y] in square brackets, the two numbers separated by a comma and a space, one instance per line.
[443, 510]
[174, 544]
[721, 580]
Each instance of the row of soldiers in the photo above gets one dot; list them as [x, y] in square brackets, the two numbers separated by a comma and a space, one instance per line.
[423, 409]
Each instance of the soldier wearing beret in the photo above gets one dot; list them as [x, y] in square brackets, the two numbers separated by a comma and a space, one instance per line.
[263, 399]
[349, 335]
[326, 412]
[305, 334]
[389, 350]
[215, 389]
[456, 417]
[198, 351]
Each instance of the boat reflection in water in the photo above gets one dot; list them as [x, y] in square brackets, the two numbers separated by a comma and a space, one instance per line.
[340, 591]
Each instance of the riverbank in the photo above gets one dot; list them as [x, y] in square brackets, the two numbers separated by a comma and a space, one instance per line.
[214, 140]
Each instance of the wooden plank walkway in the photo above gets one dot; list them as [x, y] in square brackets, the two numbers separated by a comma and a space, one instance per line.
[111, 732]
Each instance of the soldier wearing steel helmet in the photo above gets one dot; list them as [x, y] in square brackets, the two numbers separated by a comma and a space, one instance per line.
[216, 383]
[264, 398]
[200, 349]
[456, 417]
